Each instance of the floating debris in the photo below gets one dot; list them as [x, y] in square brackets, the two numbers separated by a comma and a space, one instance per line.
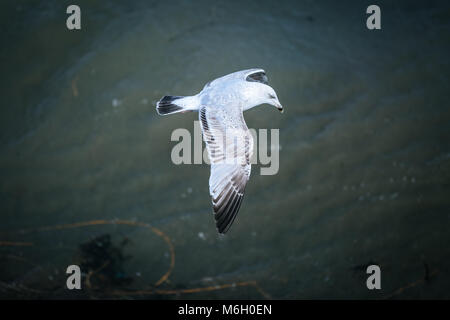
[201, 235]
[102, 261]
[363, 267]
[116, 102]
[207, 279]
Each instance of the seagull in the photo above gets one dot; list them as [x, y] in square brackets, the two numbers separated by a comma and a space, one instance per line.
[229, 142]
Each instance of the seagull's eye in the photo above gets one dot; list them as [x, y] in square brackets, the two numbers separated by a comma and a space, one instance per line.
[271, 96]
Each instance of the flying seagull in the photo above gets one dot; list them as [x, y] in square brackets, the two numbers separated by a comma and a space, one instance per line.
[229, 142]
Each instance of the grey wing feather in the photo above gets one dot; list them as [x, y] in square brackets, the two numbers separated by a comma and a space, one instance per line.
[230, 162]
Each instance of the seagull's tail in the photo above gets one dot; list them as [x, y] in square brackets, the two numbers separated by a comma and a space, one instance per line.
[167, 105]
[173, 104]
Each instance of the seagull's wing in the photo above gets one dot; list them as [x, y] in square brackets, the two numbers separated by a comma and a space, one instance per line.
[257, 75]
[230, 147]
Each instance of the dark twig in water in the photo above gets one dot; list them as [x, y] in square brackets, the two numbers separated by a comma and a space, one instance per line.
[424, 280]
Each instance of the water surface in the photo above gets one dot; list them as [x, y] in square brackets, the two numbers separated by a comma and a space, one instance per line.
[364, 160]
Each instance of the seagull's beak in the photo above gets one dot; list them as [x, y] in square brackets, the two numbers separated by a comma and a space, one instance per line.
[279, 107]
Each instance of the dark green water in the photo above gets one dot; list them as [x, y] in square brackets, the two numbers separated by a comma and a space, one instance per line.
[364, 162]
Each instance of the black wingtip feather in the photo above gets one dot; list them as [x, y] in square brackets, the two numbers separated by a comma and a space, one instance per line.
[229, 214]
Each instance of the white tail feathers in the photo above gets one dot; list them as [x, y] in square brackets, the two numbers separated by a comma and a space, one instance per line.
[174, 104]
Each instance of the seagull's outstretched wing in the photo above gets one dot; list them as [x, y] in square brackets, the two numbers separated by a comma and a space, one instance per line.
[230, 147]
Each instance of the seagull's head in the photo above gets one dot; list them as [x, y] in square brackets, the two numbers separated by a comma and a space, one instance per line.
[271, 97]
[259, 92]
